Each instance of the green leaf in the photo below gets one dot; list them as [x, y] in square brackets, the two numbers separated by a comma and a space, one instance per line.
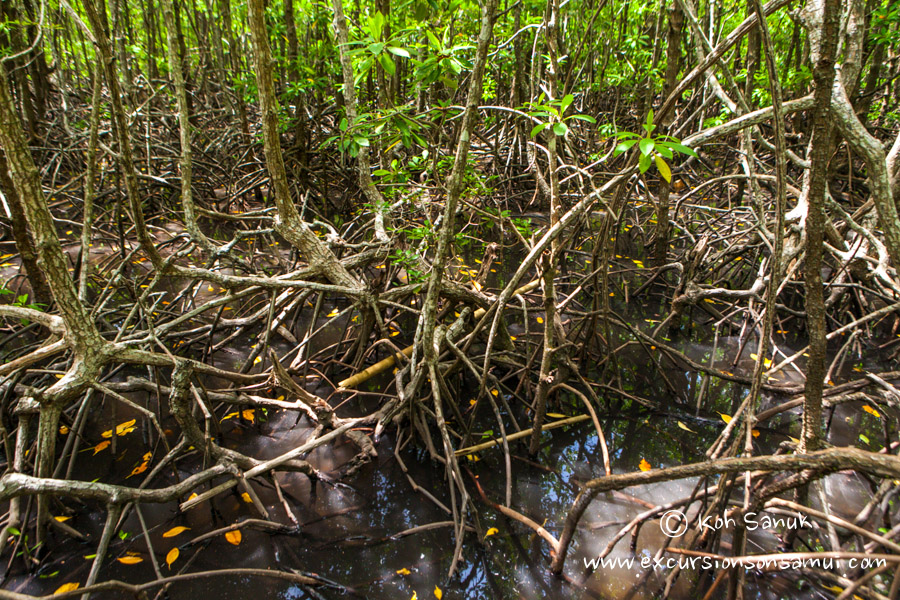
[644, 163]
[13, 531]
[376, 24]
[376, 48]
[587, 118]
[381, 173]
[398, 51]
[565, 103]
[663, 168]
[539, 128]
[560, 129]
[624, 147]
[361, 141]
[681, 148]
[387, 64]
[646, 145]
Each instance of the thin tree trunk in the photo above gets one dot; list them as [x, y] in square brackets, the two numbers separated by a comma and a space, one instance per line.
[96, 16]
[673, 65]
[288, 222]
[24, 244]
[823, 74]
[184, 126]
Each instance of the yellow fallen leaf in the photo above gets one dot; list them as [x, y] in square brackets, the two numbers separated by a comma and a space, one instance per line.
[415, 596]
[246, 498]
[755, 433]
[872, 411]
[685, 427]
[495, 392]
[101, 446]
[403, 571]
[438, 593]
[540, 320]
[172, 556]
[333, 313]
[229, 416]
[130, 560]
[249, 414]
[234, 537]
[67, 587]
[644, 465]
[472, 457]
[556, 415]
[62, 518]
[121, 429]
[491, 532]
[176, 530]
[257, 360]
[766, 362]
[726, 418]
[138, 469]
[63, 430]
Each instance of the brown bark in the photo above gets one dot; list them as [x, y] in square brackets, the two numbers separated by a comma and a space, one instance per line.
[673, 66]
[97, 17]
[820, 144]
[176, 62]
[288, 222]
[24, 244]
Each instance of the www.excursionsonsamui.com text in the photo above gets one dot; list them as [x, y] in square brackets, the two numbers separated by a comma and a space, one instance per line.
[718, 562]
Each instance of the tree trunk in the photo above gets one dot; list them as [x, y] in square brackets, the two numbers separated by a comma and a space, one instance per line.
[823, 73]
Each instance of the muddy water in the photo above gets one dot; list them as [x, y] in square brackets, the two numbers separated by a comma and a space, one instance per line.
[347, 530]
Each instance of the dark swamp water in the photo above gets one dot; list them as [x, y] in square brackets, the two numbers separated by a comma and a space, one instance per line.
[348, 533]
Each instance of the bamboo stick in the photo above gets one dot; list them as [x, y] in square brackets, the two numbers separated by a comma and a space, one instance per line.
[383, 365]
